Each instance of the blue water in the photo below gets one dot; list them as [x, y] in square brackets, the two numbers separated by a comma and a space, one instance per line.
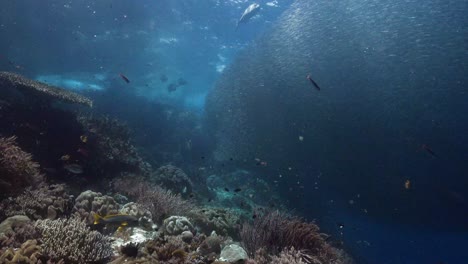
[393, 76]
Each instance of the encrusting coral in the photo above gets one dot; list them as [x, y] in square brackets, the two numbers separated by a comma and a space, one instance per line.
[224, 221]
[175, 225]
[17, 169]
[45, 201]
[72, 240]
[29, 253]
[89, 203]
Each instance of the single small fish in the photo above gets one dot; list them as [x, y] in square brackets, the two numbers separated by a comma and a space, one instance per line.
[73, 168]
[124, 78]
[181, 81]
[407, 184]
[65, 157]
[226, 189]
[429, 150]
[237, 190]
[313, 82]
[254, 216]
[172, 87]
[249, 12]
[84, 138]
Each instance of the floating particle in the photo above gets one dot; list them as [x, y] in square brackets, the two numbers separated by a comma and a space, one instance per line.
[301, 138]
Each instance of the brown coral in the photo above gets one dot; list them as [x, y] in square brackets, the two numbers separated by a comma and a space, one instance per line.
[17, 169]
[160, 202]
[29, 253]
[36, 90]
[111, 149]
[224, 221]
[89, 203]
[275, 231]
[172, 178]
[46, 201]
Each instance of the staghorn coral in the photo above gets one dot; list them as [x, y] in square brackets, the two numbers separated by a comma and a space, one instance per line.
[275, 231]
[36, 90]
[72, 240]
[17, 169]
[89, 203]
[175, 225]
[172, 178]
[46, 201]
[160, 202]
[28, 253]
[224, 221]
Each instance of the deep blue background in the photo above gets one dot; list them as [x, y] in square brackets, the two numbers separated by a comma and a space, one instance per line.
[393, 73]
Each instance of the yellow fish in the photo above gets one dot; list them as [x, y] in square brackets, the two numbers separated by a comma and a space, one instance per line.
[84, 138]
[122, 220]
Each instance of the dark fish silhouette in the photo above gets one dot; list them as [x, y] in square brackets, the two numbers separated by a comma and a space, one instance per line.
[124, 78]
[163, 78]
[313, 82]
[429, 150]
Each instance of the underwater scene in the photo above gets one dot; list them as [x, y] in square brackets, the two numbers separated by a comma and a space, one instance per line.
[234, 131]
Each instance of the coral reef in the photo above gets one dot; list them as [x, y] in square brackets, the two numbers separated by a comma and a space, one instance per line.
[18, 233]
[175, 225]
[233, 253]
[160, 202]
[89, 203]
[34, 89]
[172, 178]
[292, 256]
[28, 253]
[224, 221]
[72, 240]
[47, 201]
[276, 230]
[144, 216]
[17, 169]
[110, 149]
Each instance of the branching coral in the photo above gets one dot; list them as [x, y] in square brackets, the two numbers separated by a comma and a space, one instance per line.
[17, 169]
[160, 202]
[72, 240]
[275, 231]
[46, 201]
